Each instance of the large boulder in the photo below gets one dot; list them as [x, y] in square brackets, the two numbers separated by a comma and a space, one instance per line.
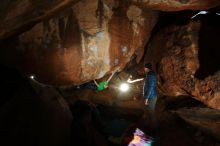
[85, 42]
[73, 41]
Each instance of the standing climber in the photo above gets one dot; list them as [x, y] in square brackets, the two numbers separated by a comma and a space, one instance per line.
[150, 90]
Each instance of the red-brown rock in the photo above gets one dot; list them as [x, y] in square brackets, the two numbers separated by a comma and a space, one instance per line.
[85, 42]
[73, 41]
[18, 16]
[178, 62]
[178, 5]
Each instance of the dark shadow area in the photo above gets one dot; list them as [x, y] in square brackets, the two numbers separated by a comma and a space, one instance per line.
[176, 131]
[209, 52]
[27, 118]
[209, 45]
[173, 18]
[101, 125]
[181, 102]
[167, 19]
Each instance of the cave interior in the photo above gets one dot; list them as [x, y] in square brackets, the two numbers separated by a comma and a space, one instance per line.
[43, 98]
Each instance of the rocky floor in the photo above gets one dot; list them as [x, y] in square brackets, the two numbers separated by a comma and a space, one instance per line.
[36, 114]
[172, 129]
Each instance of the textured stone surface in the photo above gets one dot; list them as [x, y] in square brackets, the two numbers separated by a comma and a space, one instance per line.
[85, 42]
[205, 119]
[177, 5]
[177, 63]
[18, 16]
[73, 41]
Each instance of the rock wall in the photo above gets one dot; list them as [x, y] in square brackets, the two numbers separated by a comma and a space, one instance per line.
[18, 16]
[85, 42]
[73, 41]
[177, 5]
[177, 63]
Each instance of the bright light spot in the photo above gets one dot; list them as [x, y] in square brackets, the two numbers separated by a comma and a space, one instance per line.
[217, 14]
[32, 77]
[124, 87]
[201, 12]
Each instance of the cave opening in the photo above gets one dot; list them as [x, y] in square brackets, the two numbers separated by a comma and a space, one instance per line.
[209, 52]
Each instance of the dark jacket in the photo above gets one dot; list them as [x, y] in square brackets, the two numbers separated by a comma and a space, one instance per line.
[150, 85]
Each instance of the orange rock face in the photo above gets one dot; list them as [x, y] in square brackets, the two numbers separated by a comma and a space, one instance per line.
[18, 16]
[178, 62]
[74, 41]
[85, 42]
